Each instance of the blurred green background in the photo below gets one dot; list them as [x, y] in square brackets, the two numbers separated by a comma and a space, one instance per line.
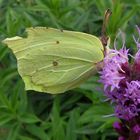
[79, 114]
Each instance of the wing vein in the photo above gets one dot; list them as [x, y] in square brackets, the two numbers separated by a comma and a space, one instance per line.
[60, 56]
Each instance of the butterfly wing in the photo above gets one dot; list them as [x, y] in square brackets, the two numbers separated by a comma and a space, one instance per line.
[54, 61]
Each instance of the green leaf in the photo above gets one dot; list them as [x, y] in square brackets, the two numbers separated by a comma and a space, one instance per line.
[95, 113]
[57, 131]
[14, 131]
[71, 127]
[29, 118]
[5, 118]
[25, 138]
[37, 131]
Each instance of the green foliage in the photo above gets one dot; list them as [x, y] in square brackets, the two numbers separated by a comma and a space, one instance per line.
[79, 114]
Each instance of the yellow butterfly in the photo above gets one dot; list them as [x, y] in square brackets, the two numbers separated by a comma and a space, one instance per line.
[54, 61]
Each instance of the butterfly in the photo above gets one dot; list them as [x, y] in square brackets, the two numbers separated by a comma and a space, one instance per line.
[54, 61]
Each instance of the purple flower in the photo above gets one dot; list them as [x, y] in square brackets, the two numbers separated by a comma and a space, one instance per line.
[137, 57]
[137, 40]
[112, 72]
[136, 129]
[121, 81]
[128, 106]
[136, 66]
[121, 129]
[117, 125]
[121, 138]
